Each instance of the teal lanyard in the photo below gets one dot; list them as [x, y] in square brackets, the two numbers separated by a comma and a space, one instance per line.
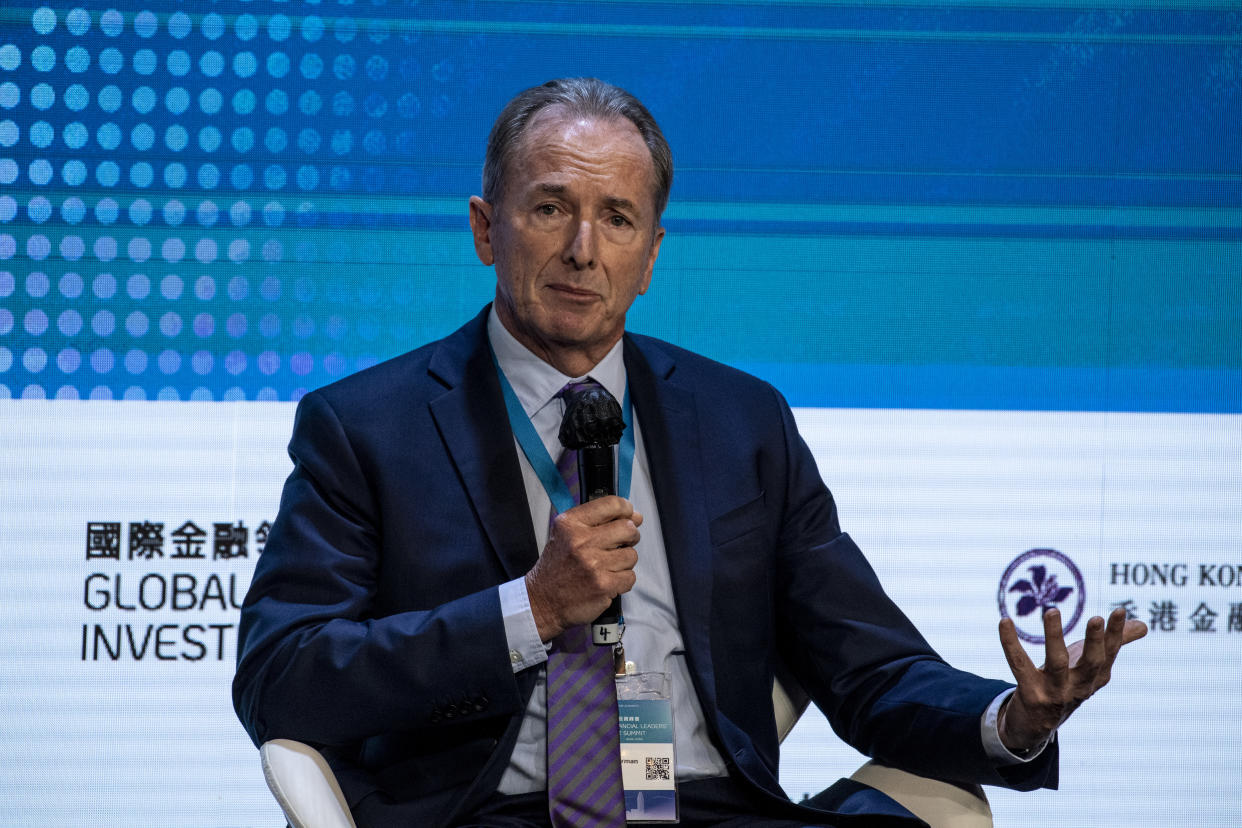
[537, 453]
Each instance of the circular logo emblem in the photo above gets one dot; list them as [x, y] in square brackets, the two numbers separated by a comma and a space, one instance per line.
[1036, 581]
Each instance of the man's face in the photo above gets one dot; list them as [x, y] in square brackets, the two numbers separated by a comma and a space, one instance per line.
[573, 235]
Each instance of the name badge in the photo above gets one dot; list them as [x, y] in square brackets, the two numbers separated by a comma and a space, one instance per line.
[645, 719]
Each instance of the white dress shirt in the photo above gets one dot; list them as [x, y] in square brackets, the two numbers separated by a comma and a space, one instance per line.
[652, 636]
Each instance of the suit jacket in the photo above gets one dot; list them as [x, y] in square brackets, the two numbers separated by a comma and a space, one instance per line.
[372, 627]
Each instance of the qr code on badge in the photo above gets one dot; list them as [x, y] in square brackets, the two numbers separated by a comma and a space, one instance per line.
[657, 768]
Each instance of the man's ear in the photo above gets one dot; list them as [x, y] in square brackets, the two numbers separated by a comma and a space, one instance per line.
[655, 252]
[481, 228]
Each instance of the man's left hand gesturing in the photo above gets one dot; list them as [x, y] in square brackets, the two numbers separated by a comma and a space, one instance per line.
[1046, 696]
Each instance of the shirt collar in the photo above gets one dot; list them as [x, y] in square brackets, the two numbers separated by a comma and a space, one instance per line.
[535, 382]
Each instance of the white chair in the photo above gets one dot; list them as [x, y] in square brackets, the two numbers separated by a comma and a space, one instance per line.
[308, 793]
[304, 786]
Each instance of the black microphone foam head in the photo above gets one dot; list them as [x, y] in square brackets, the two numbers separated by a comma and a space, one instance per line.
[592, 418]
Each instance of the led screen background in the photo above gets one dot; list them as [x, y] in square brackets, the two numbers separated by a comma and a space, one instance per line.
[979, 209]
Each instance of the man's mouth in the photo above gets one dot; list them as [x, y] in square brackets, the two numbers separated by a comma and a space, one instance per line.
[574, 292]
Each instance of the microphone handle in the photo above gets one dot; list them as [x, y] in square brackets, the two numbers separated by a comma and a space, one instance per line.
[597, 477]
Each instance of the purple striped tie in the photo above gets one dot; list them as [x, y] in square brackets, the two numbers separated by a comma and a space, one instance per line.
[584, 764]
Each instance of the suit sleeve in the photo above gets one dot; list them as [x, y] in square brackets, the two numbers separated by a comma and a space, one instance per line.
[316, 661]
[881, 685]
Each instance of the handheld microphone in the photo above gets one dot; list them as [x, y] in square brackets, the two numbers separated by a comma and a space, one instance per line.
[593, 426]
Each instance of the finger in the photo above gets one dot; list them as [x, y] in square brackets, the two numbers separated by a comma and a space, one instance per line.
[613, 535]
[1133, 631]
[1112, 644]
[621, 559]
[600, 511]
[1114, 635]
[609, 580]
[624, 582]
[1119, 633]
[1020, 663]
[1056, 658]
[1122, 631]
[612, 582]
[592, 557]
[1093, 644]
[1091, 671]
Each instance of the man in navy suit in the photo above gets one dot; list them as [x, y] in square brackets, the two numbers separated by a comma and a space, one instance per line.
[398, 616]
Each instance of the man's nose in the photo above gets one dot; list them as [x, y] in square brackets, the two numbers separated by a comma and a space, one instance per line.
[580, 252]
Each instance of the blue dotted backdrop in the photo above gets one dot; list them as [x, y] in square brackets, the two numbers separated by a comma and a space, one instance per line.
[186, 196]
[229, 200]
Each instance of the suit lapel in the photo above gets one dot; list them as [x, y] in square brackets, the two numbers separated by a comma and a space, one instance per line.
[470, 416]
[667, 413]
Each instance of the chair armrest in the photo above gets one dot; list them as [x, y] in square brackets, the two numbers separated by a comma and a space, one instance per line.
[788, 703]
[305, 787]
[939, 804]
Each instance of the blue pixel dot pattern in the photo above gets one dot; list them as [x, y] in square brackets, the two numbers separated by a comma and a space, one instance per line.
[203, 206]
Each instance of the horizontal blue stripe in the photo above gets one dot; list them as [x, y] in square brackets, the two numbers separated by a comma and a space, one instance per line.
[963, 230]
[736, 227]
[805, 385]
[995, 388]
[946, 185]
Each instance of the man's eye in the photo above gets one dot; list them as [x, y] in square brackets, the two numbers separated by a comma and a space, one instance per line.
[546, 209]
[618, 221]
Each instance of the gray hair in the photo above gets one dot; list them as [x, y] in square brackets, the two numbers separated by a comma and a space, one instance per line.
[582, 97]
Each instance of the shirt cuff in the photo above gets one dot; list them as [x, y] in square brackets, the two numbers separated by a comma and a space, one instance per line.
[521, 633]
[989, 729]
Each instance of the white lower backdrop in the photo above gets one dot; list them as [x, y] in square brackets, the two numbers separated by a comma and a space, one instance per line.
[117, 641]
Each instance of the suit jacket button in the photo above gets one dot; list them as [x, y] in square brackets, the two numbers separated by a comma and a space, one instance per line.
[480, 703]
[450, 711]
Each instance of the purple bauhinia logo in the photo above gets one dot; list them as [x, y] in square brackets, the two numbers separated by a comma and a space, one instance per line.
[1036, 581]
